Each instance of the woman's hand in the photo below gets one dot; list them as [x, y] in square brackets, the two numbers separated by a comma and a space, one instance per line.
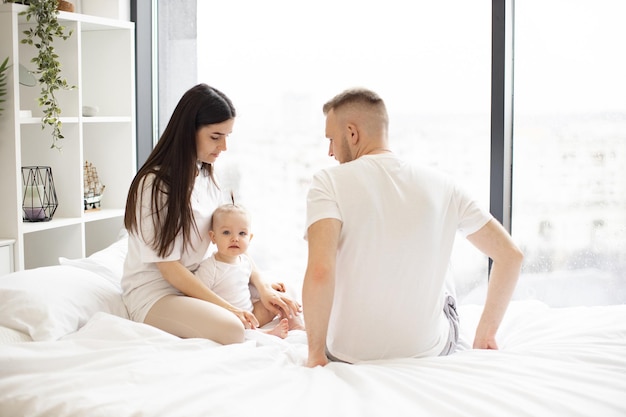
[247, 318]
[277, 301]
[273, 296]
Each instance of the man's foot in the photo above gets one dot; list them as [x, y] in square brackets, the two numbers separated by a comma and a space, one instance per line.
[281, 330]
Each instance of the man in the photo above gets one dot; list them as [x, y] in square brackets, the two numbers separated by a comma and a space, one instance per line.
[380, 233]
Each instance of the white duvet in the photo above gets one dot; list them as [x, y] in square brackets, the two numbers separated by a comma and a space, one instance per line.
[551, 362]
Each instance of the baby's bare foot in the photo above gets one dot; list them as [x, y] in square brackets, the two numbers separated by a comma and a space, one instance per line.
[296, 323]
[281, 330]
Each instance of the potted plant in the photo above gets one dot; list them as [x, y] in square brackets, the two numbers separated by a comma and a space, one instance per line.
[42, 36]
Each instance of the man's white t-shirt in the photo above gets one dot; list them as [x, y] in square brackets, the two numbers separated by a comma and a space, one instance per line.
[399, 223]
[142, 282]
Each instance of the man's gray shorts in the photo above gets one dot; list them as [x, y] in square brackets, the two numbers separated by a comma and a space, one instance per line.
[449, 308]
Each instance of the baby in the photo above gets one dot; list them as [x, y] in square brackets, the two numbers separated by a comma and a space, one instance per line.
[227, 272]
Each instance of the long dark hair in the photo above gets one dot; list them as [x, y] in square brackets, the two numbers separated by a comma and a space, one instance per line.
[172, 162]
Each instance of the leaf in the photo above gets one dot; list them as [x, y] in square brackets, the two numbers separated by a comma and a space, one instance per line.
[42, 37]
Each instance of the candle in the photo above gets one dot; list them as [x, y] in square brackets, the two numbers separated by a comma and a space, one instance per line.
[33, 205]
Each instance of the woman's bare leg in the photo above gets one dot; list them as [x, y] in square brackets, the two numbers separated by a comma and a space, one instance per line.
[190, 317]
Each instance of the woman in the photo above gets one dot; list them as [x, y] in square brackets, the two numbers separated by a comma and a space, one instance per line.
[168, 211]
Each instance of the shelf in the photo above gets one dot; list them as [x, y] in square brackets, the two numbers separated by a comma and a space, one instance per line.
[103, 214]
[98, 60]
[84, 119]
[89, 23]
[95, 23]
[32, 227]
[37, 120]
[112, 119]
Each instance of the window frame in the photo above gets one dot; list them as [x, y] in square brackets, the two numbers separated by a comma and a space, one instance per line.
[502, 51]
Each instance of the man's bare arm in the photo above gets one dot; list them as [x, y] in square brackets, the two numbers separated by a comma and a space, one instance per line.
[319, 286]
[495, 242]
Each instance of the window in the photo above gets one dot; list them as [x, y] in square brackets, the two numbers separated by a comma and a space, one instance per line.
[432, 67]
[430, 62]
[569, 179]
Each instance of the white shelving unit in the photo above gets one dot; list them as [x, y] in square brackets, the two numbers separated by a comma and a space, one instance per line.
[99, 59]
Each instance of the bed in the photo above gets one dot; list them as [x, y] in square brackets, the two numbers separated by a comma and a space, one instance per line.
[67, 348]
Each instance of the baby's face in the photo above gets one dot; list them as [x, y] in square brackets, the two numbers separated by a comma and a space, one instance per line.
[231, 233]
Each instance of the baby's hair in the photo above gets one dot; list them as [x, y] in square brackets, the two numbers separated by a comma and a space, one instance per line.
[231, 207]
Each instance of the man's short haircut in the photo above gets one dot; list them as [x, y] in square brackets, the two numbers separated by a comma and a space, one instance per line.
[360, 101]
[354, 96]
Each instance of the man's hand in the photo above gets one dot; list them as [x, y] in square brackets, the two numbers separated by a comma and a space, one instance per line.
[485, 343]
[316, 360]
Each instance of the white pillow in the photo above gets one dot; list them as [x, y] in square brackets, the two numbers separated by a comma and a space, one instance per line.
[109, 262]
[8, 336]
[50, 302]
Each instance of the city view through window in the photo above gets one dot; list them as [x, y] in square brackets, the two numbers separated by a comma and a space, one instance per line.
[569, 190]
[433, 69]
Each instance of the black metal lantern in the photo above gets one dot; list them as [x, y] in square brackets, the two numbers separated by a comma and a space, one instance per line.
[39, 198]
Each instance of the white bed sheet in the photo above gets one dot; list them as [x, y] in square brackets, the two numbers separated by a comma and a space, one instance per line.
[552, 362]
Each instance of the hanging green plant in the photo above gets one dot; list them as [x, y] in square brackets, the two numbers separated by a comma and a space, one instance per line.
[3, 82]
[42, 36]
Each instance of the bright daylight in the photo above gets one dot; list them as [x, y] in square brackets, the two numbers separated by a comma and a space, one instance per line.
[330, 208]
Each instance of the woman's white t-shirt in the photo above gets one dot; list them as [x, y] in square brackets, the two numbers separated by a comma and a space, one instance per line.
[142, 282]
